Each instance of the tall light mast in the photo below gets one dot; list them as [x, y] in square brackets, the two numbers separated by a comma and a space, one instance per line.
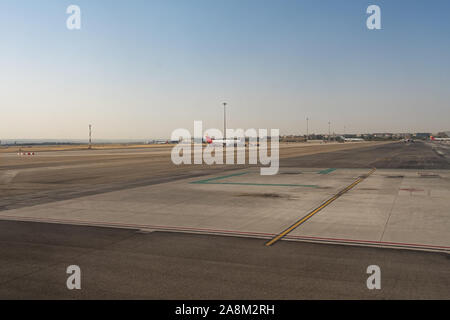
[224, 120]
[90, 136]
[307, 128]
[329, 131]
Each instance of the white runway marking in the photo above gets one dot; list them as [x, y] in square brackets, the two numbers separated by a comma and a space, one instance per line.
[7, 176]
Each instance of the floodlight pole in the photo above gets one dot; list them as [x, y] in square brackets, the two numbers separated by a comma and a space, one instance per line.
[329, 131]
[224, 121]
[307, 128]
[90, 136]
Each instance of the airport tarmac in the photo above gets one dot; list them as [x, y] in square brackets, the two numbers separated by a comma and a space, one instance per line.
[128, 264]
[51, 176]
[331, 214]
[398, 207]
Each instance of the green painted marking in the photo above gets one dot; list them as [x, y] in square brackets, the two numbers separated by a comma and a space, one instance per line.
[326, 171]
[266, 184]
[215, 181]
[220, 178]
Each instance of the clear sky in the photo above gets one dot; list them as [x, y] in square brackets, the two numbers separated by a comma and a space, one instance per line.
[140, 69]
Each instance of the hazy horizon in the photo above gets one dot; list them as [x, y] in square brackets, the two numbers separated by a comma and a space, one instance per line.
[146, 139]
[139, 70]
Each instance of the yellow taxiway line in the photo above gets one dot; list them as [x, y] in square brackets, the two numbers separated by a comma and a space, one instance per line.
[313, 212]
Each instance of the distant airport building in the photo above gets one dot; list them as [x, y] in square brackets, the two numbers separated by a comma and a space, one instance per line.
[292, 138]
[443, 134]
[402, 135]
[422, 135]
[384, 135]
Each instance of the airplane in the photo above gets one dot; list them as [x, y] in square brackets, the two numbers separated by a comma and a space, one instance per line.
[342, 138]
[439, 139]
[222, 142]
[163, 141]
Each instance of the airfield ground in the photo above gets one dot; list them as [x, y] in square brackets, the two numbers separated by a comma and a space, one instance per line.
[141, 227]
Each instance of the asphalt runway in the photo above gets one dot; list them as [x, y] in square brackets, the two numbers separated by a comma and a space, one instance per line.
[143, 263]
[54, 176]
[128, 264]
[399, 155]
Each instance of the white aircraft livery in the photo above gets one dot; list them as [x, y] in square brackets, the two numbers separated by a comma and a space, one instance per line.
[439, 139]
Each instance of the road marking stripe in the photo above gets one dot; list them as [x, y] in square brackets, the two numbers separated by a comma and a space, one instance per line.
[326, 171]
[266, 184]
[323, 205]
[220, 178]
[219, 232]
[214, 181]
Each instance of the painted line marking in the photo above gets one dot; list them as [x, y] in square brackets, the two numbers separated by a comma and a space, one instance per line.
[215, 181]
[319, 208]
[267, 184]
[216, 231]
[327, 171]
[219, 178]
[8, 176]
